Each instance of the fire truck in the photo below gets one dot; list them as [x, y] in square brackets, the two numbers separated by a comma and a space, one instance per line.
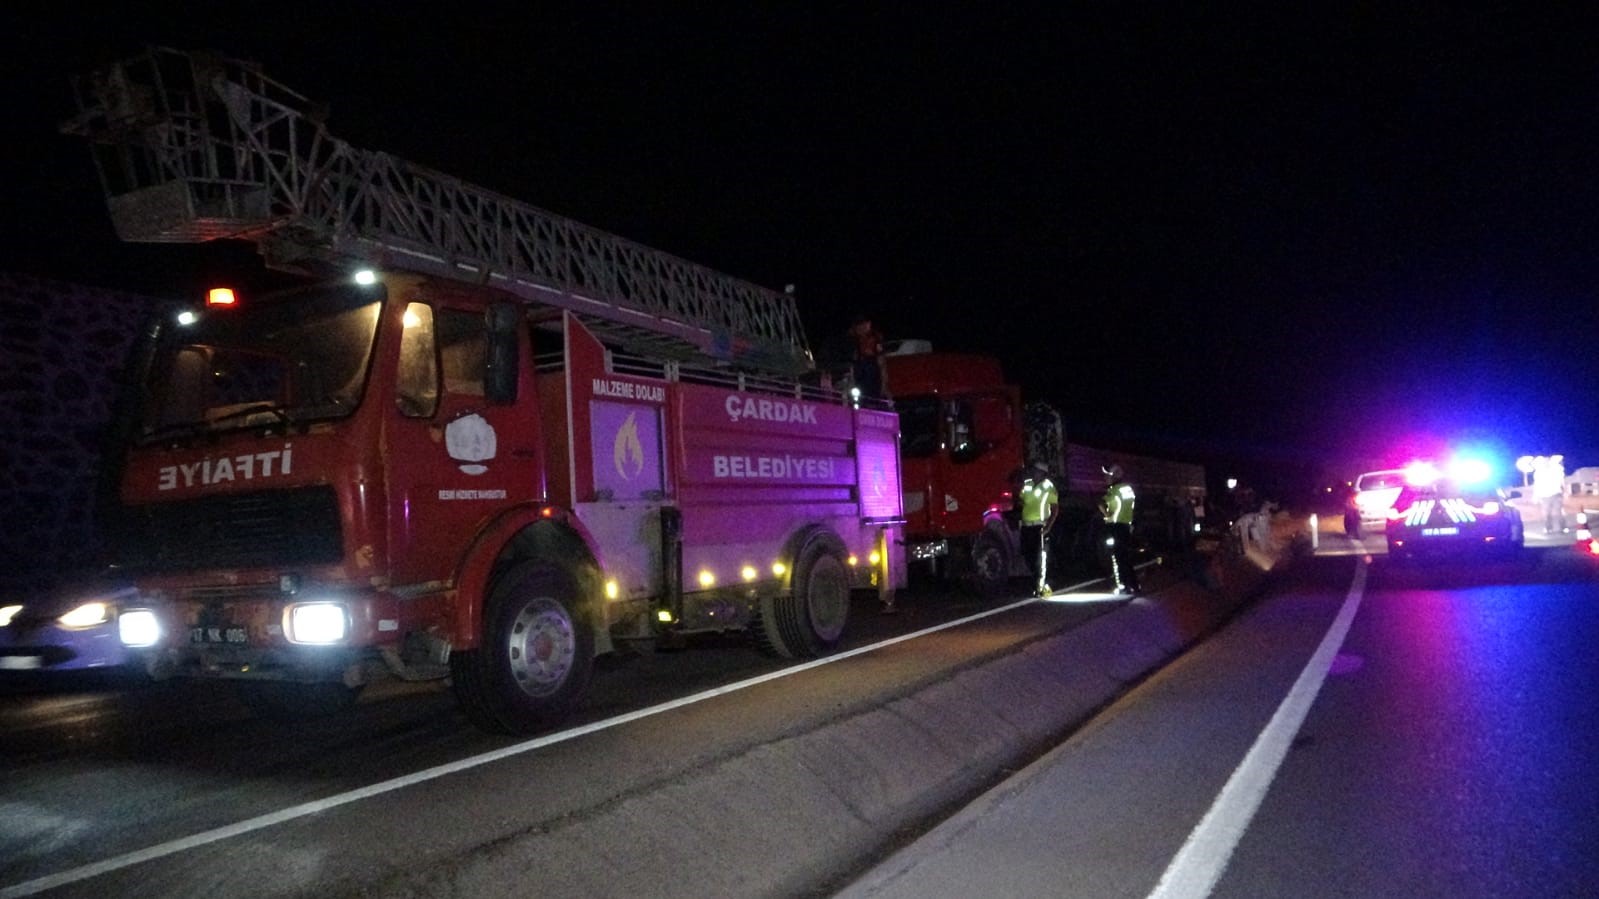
[482, 442]
[967, 436]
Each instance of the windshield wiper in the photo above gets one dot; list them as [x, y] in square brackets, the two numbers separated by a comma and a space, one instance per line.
[253, 409]
[184, 428]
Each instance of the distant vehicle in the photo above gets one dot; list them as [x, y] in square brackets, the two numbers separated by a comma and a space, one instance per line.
[1440, 515]
[73, 631]
[1373, 495]
[1587, 543]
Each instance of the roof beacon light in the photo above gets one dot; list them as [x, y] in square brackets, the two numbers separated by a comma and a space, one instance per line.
[221, 296]
[1469, 470]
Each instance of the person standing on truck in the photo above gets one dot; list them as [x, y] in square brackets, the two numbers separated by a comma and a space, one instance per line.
[1040, 504]
[1117, 509]
[866, 354]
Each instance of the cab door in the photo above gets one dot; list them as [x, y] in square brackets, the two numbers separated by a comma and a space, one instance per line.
[462, 442]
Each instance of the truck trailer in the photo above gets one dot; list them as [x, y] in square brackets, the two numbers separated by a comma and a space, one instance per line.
[967, 437]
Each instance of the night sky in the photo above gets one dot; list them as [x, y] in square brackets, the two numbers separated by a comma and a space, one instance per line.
[1247, 234]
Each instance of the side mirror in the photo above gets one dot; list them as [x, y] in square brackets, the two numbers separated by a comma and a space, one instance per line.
[500, 372]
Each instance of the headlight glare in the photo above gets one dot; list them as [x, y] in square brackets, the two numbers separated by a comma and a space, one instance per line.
[316, 623]
[7, 613]
[87, 615]
[138, 628]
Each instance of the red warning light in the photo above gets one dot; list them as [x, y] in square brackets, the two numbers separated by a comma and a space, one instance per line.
[220, 296]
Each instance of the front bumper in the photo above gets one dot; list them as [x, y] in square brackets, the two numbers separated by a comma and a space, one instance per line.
[1450, 538]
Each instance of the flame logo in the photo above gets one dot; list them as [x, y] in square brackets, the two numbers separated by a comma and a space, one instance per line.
[627, 451]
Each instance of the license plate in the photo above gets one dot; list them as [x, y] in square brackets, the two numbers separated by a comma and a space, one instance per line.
[233, 635]
[21, 663]
[1439, 532]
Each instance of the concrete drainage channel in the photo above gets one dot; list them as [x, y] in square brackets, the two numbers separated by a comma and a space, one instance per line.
[787, 818]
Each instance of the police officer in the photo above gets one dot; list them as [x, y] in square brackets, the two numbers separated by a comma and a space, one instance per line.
[1040, 503]
[1117, 509]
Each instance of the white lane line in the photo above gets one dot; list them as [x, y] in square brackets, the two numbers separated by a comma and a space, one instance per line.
[183, 844]
[1197, 867]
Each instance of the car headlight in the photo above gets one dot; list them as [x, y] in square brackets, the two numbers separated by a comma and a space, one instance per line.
[316, 623]
[7, 613]
[87, 615]
[139, 628]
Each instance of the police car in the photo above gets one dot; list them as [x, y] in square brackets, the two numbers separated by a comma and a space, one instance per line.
[1433, 513]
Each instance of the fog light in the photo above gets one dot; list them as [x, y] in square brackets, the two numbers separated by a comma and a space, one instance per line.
[318, 623]
[87, 615]
[139, 627]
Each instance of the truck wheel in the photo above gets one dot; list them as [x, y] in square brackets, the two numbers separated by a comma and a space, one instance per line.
[990, 575]
[537, 653]
[292, 699]
[809, 620]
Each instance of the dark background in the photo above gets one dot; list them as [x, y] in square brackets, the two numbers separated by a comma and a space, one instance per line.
[1281, 242]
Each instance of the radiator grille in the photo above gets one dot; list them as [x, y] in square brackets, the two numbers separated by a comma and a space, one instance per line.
[268, 528]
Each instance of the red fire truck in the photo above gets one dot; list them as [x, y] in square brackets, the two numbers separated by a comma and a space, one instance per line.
[488, 444]
[966, 437]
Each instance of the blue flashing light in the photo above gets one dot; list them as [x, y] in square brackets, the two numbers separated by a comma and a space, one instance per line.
[1470, 470]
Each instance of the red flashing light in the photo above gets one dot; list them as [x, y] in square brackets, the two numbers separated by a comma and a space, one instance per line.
[1593, 547]
[221, 296]
[1421, 474]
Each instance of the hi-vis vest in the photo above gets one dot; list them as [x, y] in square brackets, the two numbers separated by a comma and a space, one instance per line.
[1119, 504]
[1038, 500]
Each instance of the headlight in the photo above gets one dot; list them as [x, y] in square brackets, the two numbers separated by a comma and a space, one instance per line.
[139, 627]
[317, 623]
[87, 615]
[7, 613]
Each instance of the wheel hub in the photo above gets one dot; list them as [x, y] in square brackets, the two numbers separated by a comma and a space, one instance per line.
[542, 647]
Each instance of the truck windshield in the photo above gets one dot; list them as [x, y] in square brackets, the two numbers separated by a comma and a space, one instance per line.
[295, 358]
[920, 422]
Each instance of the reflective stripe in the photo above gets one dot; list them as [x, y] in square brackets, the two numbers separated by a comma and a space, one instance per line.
[1458, 510]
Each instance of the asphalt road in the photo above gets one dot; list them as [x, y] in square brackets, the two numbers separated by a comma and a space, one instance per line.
[175, 789]
[1434, 757]
[1369, 729]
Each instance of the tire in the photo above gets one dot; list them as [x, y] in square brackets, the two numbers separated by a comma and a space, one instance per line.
[990, 572]
[537, 654]
[1352, 524]
[809, 620]
[284, 700]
